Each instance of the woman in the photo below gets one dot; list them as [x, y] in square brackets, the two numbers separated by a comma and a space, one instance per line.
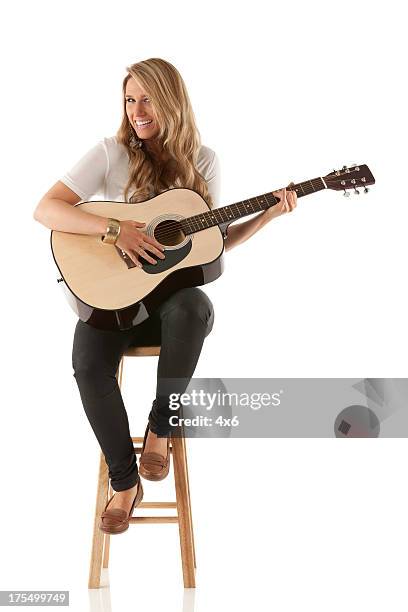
[157, 147]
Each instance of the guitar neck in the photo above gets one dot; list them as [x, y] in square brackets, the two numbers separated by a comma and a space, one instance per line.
[228, 214]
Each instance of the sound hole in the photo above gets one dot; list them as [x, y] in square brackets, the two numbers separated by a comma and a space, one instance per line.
[169, 232]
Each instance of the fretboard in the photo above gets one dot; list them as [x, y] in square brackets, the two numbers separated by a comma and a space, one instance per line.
[232, 212]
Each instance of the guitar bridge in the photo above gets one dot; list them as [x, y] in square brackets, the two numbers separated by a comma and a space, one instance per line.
[125, 257]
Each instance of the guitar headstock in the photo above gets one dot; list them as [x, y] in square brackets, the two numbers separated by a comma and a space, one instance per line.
[350, 178]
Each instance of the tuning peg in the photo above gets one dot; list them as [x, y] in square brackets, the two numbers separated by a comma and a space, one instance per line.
[346, 194]
[366, 190]
[356, 191]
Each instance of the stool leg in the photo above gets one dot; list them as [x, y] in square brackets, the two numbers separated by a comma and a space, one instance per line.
[98, 535]
[189, 499]
[119, 373]
[106, 547]
[101, 541]
[184, 513]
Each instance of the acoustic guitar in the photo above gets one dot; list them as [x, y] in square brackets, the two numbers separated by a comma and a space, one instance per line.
[107, 290]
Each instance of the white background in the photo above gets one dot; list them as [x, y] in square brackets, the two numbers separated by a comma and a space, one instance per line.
[281, 92]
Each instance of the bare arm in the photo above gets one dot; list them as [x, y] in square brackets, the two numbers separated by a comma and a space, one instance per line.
[56, 211]
[237, 234]
[242, 231]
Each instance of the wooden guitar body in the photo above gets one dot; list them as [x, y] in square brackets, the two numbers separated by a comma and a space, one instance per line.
[103, 285]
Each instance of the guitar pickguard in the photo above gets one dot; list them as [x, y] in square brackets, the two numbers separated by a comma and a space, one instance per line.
[173, 257]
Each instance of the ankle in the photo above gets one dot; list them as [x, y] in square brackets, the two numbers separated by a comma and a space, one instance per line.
[127, 492]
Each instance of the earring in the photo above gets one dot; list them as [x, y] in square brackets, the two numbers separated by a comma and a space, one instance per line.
[134, 142]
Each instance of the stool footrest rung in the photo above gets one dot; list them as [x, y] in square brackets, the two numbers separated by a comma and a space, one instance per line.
[138, 450]
[157, 505]
[153, 519]
[138, 440]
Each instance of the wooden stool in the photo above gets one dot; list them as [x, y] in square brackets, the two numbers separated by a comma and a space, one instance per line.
[101, 541]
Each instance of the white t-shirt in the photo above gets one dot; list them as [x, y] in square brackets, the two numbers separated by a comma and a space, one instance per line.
[103, 172]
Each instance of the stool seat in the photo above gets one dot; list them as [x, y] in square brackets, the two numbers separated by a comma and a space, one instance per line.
[142, 351]
[101, 540]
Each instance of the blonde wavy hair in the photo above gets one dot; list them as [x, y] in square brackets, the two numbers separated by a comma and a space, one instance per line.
[178, 136]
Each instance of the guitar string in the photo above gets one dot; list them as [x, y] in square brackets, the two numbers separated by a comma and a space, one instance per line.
[195, 223]
[195, 220]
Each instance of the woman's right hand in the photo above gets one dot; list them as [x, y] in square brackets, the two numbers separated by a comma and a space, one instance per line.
[134, 242]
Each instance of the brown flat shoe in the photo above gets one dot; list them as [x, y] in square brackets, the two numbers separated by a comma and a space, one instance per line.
[116, 520]
[154, 466]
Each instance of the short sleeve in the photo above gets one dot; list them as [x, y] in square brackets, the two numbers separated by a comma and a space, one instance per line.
[87, 176]
[214, 180]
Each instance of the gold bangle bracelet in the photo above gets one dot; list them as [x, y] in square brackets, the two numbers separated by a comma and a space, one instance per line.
[112, 232]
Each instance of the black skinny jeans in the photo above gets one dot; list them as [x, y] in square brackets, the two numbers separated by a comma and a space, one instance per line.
[179, 325]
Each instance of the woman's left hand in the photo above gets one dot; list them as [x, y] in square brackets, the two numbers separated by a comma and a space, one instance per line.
[287, 202]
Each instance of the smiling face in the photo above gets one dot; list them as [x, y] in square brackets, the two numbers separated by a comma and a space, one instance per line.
[139, 110]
